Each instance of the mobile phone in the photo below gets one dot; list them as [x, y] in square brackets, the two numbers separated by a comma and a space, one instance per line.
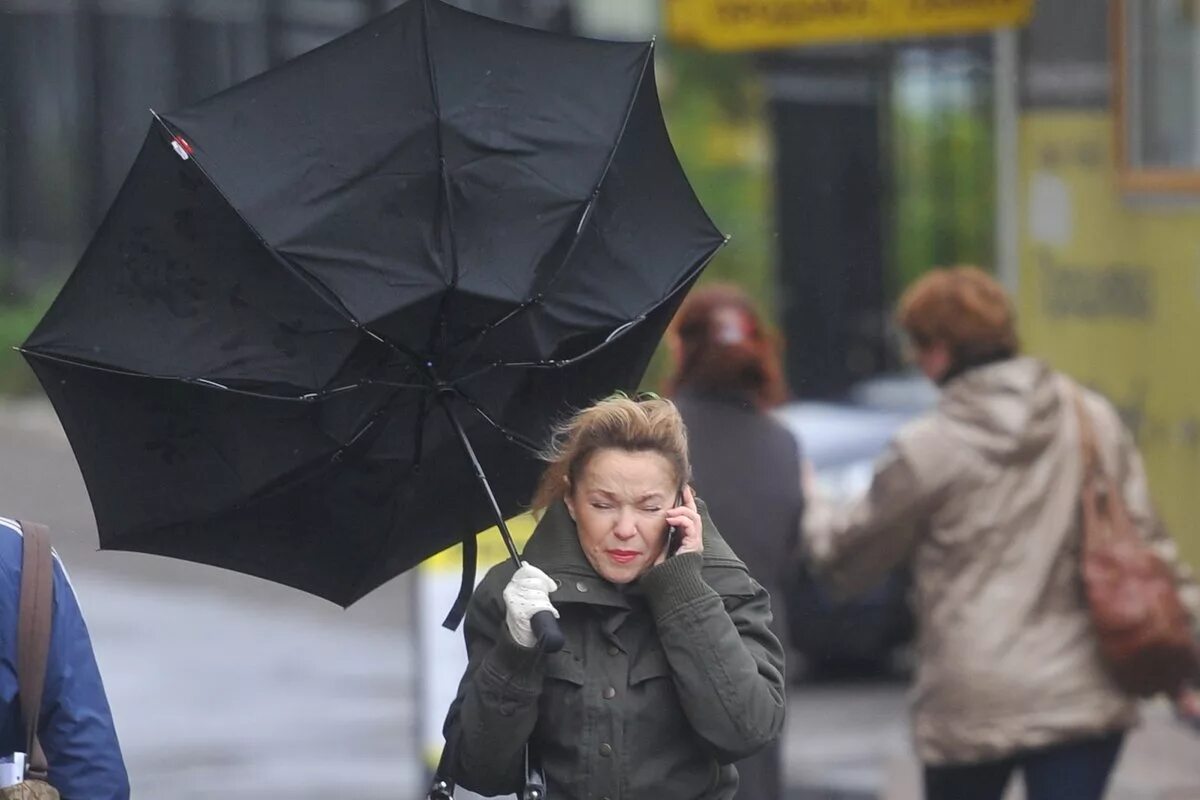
[674, 538]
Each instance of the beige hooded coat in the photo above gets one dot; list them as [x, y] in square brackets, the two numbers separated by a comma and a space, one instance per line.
[981, 497]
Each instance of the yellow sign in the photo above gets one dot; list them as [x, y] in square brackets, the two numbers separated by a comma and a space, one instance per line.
[1110, 293]
[760, 24]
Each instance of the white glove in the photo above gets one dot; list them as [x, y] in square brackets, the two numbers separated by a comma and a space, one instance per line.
[526, 594]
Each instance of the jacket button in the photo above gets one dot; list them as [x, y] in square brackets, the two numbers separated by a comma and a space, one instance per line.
[613, 650]
[606, 750]
[610, 693]
[581, 587]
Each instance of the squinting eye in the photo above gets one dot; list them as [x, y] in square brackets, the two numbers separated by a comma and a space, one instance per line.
[601, 506]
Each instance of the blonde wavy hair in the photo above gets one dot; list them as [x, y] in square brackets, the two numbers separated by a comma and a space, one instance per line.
[643, 424]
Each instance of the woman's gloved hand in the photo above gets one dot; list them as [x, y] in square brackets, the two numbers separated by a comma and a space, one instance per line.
[526, 594]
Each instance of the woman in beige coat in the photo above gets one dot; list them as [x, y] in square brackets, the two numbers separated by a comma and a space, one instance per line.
[981, 496]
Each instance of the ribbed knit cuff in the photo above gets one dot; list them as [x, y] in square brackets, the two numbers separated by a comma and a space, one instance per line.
[675, 582]
[516, 668]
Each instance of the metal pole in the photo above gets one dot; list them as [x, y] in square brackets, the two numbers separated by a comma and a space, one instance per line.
[479, 473]
[545, 626]
[1006, 114]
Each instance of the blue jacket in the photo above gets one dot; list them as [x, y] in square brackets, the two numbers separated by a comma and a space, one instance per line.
[76, 727]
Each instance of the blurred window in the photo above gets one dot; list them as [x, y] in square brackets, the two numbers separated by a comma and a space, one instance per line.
[1158, 94]
[943, 157]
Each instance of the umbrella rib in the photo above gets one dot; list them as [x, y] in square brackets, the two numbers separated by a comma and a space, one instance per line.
[305, 471]
[307, 278]
[419, 434]
[613, 336]
[508, 433]
[307, 397]
[438, 330]
[584, 218]
[481, 476]
[418, 448]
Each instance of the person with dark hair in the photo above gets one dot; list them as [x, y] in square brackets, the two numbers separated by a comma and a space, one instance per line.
[982, 497]
[669, 674]
[747, 465]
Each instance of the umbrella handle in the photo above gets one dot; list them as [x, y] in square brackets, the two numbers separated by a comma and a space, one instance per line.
[549, 635]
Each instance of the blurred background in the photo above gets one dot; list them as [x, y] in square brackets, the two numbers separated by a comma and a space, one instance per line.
[846, 146]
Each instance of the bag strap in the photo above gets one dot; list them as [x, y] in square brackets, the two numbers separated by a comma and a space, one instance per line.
[470, 562]
[1092, 467]
[535, 779]
[33, 636]
[1106, 516]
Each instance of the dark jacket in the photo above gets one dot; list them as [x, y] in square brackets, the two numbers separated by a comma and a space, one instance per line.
[747, 466]
[76, 726]
[661, 686]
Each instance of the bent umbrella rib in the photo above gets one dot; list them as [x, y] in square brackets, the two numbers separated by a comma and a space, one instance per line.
[508, 433]
[584, 217]
[444, 205]
[614, 335]
[307, 397]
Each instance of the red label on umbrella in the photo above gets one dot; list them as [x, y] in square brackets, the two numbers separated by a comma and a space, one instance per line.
[182, 147]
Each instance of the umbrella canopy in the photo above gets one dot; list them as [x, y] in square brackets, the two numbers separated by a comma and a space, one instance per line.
[305, 278]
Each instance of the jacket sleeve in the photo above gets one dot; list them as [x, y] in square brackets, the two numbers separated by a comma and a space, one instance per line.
[726, 663]
[854, 546]
[494, 714]
[1135, 489]
[76, 727]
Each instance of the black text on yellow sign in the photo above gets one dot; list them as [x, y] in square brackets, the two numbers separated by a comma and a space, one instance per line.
[760, 24]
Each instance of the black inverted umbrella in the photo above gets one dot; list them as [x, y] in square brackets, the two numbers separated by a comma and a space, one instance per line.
[329, 300]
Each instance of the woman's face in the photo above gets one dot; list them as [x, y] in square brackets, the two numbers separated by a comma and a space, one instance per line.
[619, 505]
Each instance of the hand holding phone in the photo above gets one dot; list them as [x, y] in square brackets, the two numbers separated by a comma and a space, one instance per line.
[685, 532]
[674, 538]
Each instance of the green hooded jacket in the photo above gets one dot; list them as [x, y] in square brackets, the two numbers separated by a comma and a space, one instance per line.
[661, 686]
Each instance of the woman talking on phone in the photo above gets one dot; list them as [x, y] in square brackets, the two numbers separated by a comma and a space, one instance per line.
[670, 672]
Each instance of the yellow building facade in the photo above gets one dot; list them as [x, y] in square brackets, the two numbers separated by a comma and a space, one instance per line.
[1109, 224]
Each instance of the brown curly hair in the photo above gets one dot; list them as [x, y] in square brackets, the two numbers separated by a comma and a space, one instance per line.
[963, 307]
[722, 345]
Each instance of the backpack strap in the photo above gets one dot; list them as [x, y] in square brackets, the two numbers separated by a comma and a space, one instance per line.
[33, 636]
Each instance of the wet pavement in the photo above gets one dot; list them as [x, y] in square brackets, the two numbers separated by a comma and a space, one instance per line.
[851, 742]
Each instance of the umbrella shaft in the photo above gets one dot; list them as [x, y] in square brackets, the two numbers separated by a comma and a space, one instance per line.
[483, 481]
